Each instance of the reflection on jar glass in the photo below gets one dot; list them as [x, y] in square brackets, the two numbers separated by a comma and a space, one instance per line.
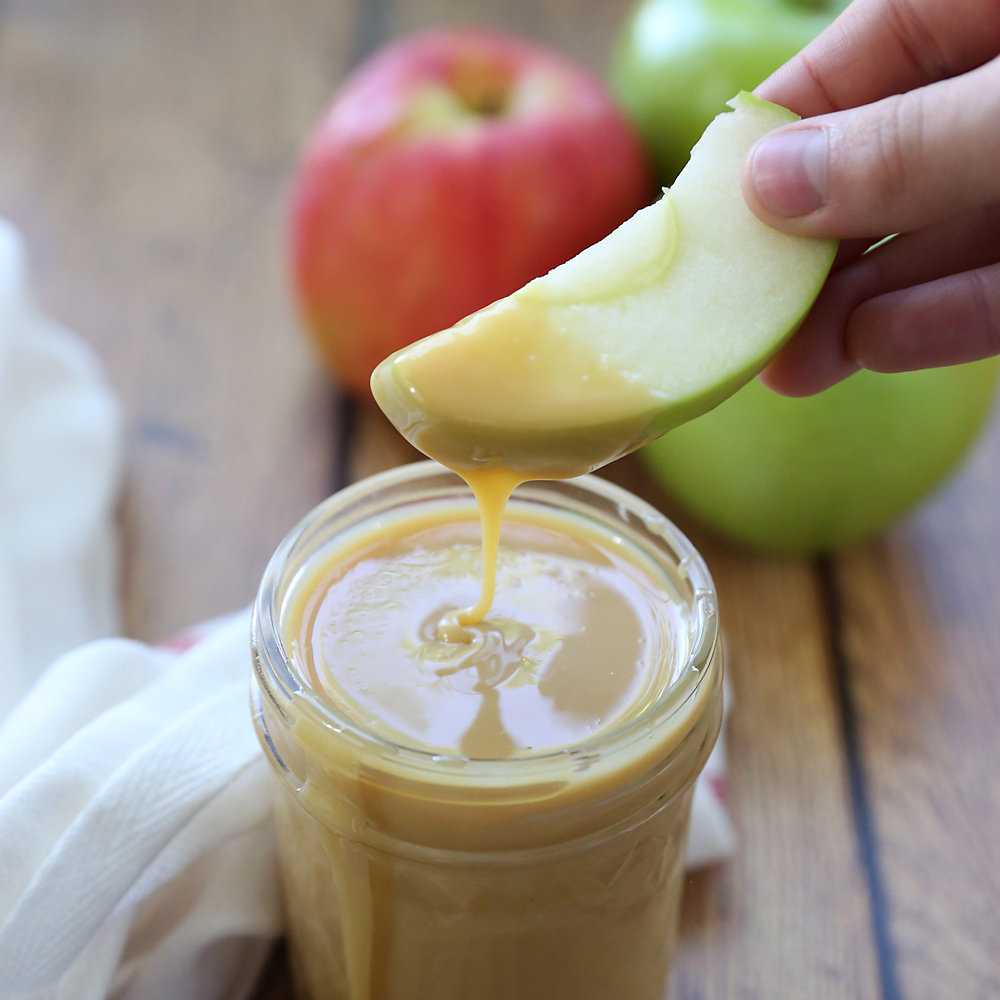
[418, 872]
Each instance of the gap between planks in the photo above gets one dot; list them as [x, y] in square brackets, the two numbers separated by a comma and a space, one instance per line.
[865, 833]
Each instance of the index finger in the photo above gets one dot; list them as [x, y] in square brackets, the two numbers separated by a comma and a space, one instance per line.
[877, 48]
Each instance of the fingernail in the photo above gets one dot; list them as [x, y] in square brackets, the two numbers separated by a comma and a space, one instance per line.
[789, 171]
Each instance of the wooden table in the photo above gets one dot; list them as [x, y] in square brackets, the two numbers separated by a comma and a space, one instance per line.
[145, 152]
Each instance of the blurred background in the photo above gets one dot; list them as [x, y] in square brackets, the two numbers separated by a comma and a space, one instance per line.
[147, 152]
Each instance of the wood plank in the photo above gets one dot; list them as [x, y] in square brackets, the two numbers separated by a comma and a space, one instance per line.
[922, 634]
[147, 149]
[789, 915]
[582, 29]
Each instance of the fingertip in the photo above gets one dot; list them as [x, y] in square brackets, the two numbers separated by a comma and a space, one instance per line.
[783, 87]
[771, 377]
[749, 189]
[754, 201]
[785, 379]
[815, 357]
[944, 322]
[795, 384]
[788, 170]
[783, 180]
[869, 338]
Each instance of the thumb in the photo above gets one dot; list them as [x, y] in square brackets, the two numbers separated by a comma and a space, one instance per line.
[894, 166]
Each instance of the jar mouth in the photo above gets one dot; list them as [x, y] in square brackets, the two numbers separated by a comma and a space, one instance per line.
[594, 498]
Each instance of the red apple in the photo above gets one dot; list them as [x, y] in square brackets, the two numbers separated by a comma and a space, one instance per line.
[451, 168]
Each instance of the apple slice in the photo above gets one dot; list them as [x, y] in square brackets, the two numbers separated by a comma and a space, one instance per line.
[654, 325]
[628, 260]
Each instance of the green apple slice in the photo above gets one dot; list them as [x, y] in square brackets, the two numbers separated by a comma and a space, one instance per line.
[654, 325]
[628, 260]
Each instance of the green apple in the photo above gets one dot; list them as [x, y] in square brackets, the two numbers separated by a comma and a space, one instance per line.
[801, 476]
[654, 325]
[677, 61]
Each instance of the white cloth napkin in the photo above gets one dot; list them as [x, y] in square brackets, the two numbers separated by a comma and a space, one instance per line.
[59, 458]
[137, 856]
[136, 840]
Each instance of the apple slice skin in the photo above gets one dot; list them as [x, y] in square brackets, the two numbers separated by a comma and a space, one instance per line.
[584, 438]
[544, 453]
[735, 291]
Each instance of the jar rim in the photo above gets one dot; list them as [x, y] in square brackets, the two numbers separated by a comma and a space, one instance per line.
[279, 681]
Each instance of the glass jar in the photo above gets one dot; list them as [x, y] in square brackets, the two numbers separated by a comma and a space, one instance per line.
[418, 876]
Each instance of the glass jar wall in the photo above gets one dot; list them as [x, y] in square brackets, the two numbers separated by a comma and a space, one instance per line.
[412, 875]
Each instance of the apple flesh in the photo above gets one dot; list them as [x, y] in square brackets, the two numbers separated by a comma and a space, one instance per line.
[628, 260]
[450, 169]
[659, 322]
[729, 290]
[801, 476]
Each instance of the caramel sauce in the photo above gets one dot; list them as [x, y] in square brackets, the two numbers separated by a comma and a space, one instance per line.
[503, 398]
[582, 634]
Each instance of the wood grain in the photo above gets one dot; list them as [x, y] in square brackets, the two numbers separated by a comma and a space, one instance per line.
[582, 29]
[922, 634]
[147, 150]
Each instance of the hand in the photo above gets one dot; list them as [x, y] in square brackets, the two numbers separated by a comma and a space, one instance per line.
[923, 162]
